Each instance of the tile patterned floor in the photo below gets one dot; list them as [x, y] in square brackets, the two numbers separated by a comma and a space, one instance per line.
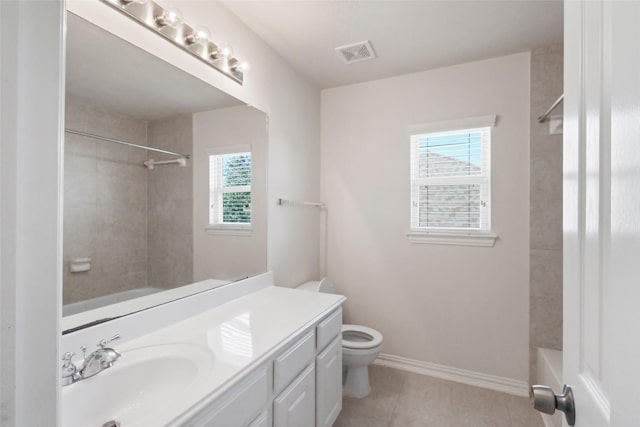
[404, 399]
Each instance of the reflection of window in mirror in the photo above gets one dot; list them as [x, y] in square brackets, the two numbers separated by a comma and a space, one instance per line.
[230, 188]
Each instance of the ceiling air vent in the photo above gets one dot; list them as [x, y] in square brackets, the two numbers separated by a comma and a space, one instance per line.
[356, 52]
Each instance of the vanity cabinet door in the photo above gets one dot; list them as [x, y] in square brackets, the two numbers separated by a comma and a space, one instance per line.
[329, 384]
[261, 420]
[295, 406]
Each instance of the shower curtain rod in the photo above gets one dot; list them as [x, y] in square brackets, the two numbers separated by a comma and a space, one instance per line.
[129, 144]
[543, 117]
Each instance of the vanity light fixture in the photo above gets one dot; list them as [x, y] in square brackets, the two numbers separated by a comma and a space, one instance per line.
[168, 23]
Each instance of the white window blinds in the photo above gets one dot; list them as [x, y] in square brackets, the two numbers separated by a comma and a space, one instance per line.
[230, 188]
[450, 180]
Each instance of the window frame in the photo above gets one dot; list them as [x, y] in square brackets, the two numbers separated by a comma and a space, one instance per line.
[234, 229]
[446, 235]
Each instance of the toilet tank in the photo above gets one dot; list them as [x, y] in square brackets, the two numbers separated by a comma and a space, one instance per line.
[325, 286]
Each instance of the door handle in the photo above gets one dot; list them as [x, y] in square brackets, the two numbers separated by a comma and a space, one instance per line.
[545, 400]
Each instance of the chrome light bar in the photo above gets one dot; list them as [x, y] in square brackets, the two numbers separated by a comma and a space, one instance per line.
[167, 22]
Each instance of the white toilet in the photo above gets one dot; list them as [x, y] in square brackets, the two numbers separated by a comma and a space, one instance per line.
[360, 347]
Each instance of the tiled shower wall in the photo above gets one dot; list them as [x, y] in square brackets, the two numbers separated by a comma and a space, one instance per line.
[135, 224]
[545, 221]
[170, 219]
[105, 203]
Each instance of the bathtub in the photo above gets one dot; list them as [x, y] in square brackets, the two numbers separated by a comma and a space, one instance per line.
[549, 372]
[90, 304]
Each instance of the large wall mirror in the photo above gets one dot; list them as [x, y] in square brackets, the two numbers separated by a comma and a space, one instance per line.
[143, 227]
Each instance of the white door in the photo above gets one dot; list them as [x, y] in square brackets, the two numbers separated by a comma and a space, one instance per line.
[602, 211]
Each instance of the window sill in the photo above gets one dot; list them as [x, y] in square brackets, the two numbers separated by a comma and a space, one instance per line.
[229, 230]
[481, 238]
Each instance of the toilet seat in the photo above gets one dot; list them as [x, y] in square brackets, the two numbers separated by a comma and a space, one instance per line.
[367, 337]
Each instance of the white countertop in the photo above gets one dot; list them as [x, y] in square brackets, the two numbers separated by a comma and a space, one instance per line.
[233, 337]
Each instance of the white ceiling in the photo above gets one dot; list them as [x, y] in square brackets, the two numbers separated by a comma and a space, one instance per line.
[407, 36]
[111, 73]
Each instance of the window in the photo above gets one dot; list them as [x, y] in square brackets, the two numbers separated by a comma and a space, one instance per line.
[451, 182]
[230, 189]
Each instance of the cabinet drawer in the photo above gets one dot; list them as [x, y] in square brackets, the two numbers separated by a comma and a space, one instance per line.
[329, 328]
[240, 405]
[290, 363]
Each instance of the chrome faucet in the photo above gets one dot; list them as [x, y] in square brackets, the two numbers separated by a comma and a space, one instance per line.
[102, 358]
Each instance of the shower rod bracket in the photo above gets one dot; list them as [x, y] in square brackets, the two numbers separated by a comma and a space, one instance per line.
[151, 164]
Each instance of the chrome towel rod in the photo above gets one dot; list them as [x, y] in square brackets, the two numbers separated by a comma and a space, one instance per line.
[544, 117]
[297, 203]
[129, 144]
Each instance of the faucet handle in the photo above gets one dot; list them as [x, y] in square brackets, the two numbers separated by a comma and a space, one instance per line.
[69, 370]
[66, 358]
[104, 342]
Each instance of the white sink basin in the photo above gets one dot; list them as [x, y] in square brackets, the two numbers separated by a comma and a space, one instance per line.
[143, 388]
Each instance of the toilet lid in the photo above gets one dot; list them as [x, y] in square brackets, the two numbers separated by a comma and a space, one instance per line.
[360, 337]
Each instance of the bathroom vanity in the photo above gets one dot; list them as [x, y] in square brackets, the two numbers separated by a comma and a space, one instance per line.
[261, 356]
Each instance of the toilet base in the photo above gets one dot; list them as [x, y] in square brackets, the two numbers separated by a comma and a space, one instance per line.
[355, 381]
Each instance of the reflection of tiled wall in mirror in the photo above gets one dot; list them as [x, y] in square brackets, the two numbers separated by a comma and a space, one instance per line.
[170, 220]
[113, 210]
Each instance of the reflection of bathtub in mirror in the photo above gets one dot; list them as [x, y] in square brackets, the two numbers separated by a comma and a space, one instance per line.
[143, 233]
[115, 309]
[97, 302]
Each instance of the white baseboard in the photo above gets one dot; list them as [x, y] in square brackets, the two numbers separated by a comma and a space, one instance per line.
[491, 382]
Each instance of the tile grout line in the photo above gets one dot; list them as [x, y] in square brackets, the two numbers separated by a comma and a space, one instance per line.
[395, 404]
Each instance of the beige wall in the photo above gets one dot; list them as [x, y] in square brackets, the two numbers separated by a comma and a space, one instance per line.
[465, 307]
[170, 196]
[229, 256]
[105, 203]
[546, 205]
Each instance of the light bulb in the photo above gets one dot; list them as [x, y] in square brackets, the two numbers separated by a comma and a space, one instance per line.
[214, 53]
[199, 35]
[243, 66]
[170, 17]
[226, 51]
